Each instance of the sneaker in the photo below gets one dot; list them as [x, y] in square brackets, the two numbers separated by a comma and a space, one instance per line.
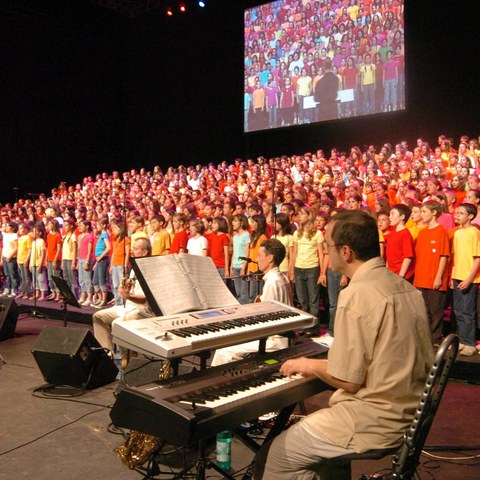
[6, 292]
[100, 304]
[467, 350]
[86, 303]
[326, 340]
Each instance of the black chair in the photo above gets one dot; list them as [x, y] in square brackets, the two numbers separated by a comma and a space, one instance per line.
[407, 457]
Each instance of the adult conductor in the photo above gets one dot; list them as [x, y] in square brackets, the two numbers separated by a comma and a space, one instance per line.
[325, 93]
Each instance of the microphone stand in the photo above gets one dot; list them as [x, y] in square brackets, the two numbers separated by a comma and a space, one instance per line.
[125, 226]
[274, 206]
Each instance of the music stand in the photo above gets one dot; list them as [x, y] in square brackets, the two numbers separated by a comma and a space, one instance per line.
[68, 298]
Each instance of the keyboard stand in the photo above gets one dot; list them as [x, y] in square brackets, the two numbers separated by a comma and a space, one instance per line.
[204, 463]
[278, 426]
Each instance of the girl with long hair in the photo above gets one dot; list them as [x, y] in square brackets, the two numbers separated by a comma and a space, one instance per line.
[120, 256]
[100, 269]
[84, 262]
[308, 259]
[238, 269]
[219, 243]
[258, 227]
[283, 228]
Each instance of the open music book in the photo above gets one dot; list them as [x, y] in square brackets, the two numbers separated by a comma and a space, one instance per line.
[181, 283]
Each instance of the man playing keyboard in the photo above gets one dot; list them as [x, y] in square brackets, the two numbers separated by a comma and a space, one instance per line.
[277, 287]
[378, 362]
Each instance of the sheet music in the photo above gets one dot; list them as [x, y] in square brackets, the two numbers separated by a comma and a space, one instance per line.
[211, 288]
[169, 286]
[182, 283]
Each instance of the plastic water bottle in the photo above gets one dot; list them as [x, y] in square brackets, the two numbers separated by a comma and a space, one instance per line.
[224, 450]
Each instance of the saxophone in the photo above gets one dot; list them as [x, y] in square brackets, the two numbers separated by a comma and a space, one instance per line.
[127, 284]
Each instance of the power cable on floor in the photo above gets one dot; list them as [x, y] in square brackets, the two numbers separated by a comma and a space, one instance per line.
[50, 432]
[439, 457]
[66, 398]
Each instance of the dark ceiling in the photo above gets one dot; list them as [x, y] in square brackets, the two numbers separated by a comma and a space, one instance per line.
[87, 88]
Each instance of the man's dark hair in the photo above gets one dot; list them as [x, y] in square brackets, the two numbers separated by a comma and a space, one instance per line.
[358, 230]
[276, 248]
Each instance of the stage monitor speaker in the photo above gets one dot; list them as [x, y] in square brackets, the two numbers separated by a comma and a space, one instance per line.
[73, 357]
[8, 317]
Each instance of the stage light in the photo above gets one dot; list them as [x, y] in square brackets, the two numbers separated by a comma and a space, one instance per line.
[201, 4]
[183, 8]
[170, 12]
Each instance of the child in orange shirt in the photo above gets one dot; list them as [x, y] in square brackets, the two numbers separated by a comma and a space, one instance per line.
[432, 250]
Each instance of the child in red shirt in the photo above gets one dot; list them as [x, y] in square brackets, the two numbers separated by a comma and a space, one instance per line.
[219, 243]
[399, 247]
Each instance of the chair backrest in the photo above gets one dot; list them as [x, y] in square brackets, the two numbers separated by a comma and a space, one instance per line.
[407, 458]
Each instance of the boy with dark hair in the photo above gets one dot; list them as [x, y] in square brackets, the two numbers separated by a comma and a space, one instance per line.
[240, 208]
[276, 287]
[399, 246]
[274, 247]
[432, 250]
[160, 239]
[465, 276]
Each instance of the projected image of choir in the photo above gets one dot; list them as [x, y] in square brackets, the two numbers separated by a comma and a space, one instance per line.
[361, 42]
